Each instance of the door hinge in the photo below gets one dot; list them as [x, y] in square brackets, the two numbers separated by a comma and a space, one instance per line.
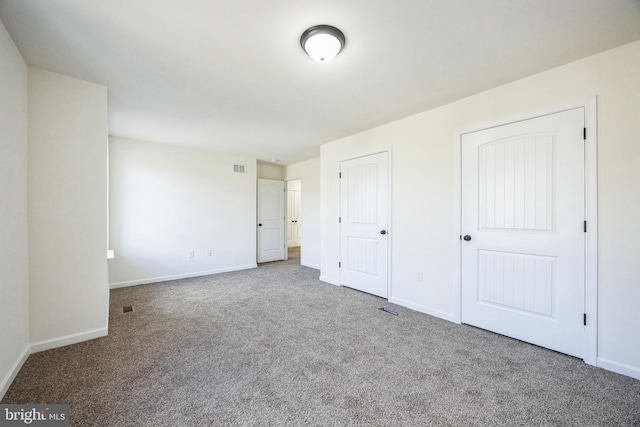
[585, 226]
[339, 174]
[339, 220]
[584, 319]
[339, 265]
[584, 133]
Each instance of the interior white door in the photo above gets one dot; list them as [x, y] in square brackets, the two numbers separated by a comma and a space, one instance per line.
[293, 218]
[270, 220]
[523, 237]
[364, 234]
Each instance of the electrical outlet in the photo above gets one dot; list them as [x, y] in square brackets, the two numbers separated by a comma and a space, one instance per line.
[192, 254]
[209, 252]
[419, 276]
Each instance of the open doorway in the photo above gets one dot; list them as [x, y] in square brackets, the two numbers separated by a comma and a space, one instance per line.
[294, 218]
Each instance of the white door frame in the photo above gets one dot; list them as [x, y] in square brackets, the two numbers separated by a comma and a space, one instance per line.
[591, 216]
[389, 218]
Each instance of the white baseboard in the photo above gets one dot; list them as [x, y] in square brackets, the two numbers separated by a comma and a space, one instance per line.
[6, 382]
[179, 276]
[46, 345]
[619, 368]
[329, 280]
[423, 309]
[68, 340]
[315, 267]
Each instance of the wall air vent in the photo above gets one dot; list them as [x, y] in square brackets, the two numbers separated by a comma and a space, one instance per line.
[239, 168]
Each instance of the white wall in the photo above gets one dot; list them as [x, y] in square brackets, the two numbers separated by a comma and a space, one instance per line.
[294, 185]
[14, 256]
[266, 171]
[309, 173]
[68, 295]
[167, 201]
[424, 233]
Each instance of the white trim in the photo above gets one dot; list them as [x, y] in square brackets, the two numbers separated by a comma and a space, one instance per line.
[390, 234]
[619, 368]
[315, 267]
[424, 309]
[591, 243]
[13, 372]
[329, 280]
[68, 340]
[591, 207]
[47, 345]
[179, 276]
[457, 273]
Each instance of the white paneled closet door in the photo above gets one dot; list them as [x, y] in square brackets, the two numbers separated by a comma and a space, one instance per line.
[271, 228]
[523, 240]
[364, 237]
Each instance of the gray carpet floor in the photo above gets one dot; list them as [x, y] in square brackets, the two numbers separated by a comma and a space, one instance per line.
[274, 346]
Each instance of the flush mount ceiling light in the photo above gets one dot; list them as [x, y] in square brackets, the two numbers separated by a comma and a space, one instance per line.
[322, 42]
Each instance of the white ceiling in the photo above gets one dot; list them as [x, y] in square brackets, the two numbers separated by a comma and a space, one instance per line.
[230, 75]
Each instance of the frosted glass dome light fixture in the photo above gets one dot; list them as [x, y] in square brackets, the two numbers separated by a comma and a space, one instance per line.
[322, 42]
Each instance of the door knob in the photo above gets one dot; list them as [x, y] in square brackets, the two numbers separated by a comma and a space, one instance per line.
[467, 237]
[383, 231]
[259, 225]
